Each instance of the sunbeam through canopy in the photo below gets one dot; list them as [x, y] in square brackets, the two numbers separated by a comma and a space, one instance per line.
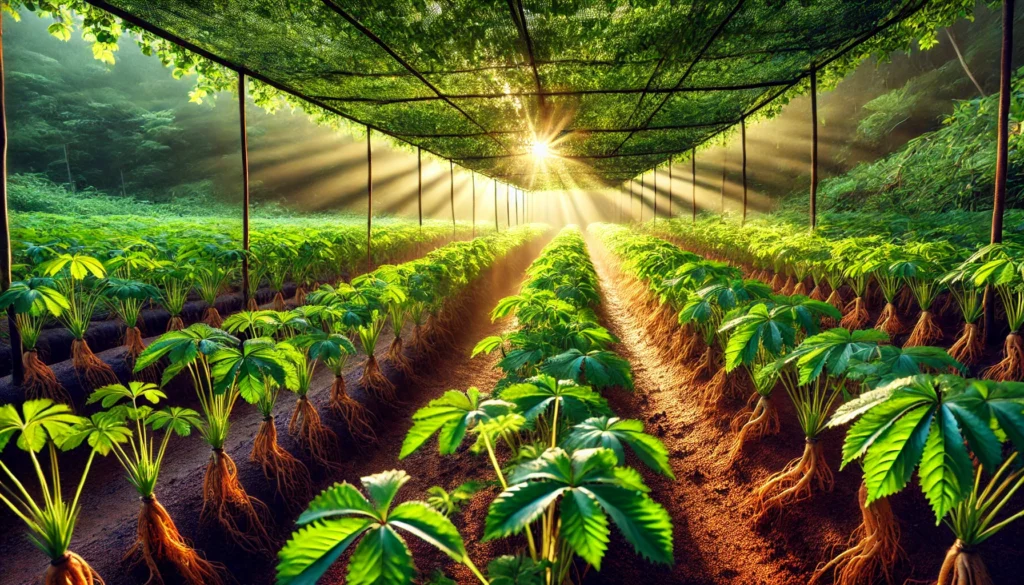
[543, 94]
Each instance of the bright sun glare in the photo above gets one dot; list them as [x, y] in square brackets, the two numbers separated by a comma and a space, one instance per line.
[540, 150]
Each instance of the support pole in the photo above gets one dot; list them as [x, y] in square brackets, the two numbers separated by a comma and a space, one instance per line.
[517, 206]
[1002, 140]
[496, 228]
[472, 196]
[721, 204]
[369, 203]
[814, 148]
[451, 192]
[670, 187]
[245, 192]
[631, 200]
[508, 209]
[655, 219]
[419, 186]
[641, 197]
[743, 142]
[693, 183]
[17, 366]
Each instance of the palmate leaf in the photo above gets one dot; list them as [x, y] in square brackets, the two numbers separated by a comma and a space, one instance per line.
[175, 419]
[534, 397]
[600, 490]
[38, 422]
[613, 433]
[341, 515]
[249, 368]
[487, 345]
[110, 395]
[598, 369]
[101, 431]
[516, 570]
[832, 351]
[924, 421]
[760, 328]
[451, 416]
[36, 296]
[183, 347]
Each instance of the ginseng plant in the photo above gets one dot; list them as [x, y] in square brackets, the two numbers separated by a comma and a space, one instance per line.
[922, 270]
[970, 345]
[855, 276]
[760, 334]
[211, 277]
[814, 376]
[342, 515]
[50, 519]
[36, 300]
[312, 251]
[1001, 267]
[126, 298]
[874, 547]
[304, 354]
[157, 540]
[879, 262]
[376, 295]
[398, 313]
[224, 499]
[80, 279]
[937, 424]
[175, 286]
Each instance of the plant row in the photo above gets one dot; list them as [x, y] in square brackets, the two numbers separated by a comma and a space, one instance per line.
[904, 411]
[72, 272]
[557, 453]
[923, 276]
[253, 359]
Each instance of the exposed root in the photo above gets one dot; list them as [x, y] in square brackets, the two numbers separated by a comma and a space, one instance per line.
[242, 517]
[969, 347]
[355, 415]
[874, 547]
[889, 321]
[855, 315]
[800, 289]
[290, 476]
[163, 547]
[818, 292]
[95, 371]
[40, 381]
[1011, 367]
[252, 305]
[776, 282]
[375, 381]
[175, 323]
[318, 440]
[787, 289]
[71, 569]
[212, 317]
[926, 331]
[761, 422]
[133, 344]
[396, 357]
[963, 566]
[693, 347]
[706, 367]
[794, 483]
[278, 302]
[300, 295]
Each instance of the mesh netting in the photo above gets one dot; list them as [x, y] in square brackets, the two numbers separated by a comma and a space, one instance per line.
[616, 86]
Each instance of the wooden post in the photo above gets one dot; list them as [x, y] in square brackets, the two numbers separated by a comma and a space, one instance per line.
[743, 141]
[642, 197]
[472, 197]
[721, 204]
[814, 148]
[419, 186]
[369, 203]
[496, 228]
[655, 193]
[517, 206]
[693, 183]
[631, 200]
[451, 192]
[670, 187]
[245, 192]
[17, 366]
[508, 203]
[1002, 140]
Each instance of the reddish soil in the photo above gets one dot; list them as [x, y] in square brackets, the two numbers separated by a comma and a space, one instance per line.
[106, 528]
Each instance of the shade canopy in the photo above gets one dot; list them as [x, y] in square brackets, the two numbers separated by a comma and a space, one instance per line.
[609, 87]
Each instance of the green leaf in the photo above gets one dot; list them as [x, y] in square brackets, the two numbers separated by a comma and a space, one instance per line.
[383, 487]
[515, 570]
[585, 526]
[946, 472]
[645, 524]
[430, 526]
[518, 506]
[313, 549]
[891, 459]
[381, 558]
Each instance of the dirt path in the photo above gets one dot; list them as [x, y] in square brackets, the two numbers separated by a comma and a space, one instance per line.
[107, 526]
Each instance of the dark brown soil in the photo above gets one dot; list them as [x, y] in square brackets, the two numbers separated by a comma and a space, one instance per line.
[106, 528]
